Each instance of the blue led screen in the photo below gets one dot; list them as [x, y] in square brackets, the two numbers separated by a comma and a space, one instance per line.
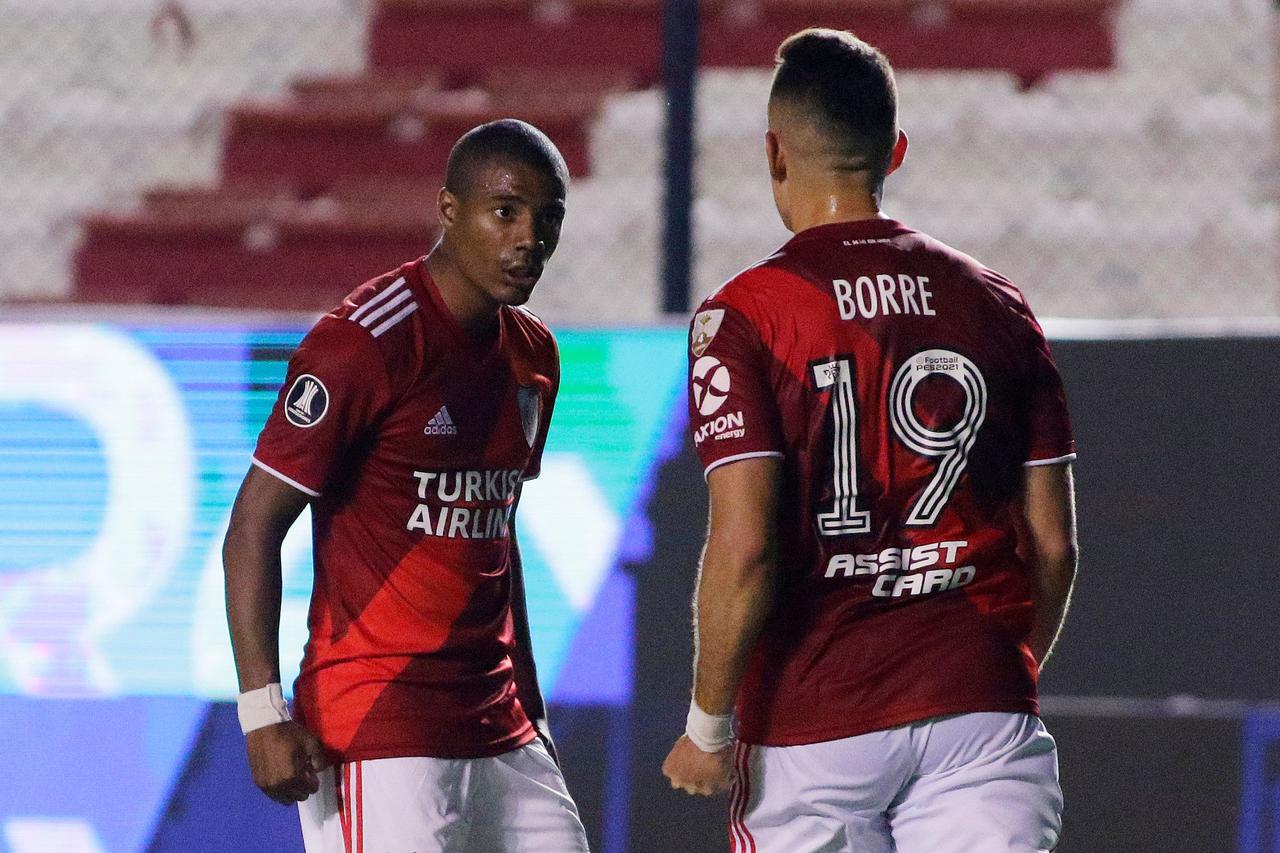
[121, 449]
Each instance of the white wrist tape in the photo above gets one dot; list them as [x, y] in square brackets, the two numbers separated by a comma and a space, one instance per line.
[709, 732]
[262, 707]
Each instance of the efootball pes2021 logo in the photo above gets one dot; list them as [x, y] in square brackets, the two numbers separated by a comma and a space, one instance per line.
[307, 401]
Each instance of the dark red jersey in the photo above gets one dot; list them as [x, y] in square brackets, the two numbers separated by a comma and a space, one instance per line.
[412, 441]
[903, 386]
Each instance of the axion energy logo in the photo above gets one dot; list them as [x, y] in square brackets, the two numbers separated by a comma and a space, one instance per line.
[710, 384]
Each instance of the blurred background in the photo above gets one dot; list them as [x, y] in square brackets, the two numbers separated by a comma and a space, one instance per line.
[185, 185]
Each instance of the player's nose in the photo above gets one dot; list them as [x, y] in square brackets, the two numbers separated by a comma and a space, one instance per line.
[530, 241]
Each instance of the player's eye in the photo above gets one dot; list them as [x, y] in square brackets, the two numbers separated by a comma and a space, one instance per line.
[505, 212]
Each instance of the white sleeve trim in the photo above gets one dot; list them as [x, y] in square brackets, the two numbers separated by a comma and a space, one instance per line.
[1032, 463]
[273, 472]
[738, 457]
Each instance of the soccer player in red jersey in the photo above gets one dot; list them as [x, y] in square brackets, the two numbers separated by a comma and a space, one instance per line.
[891, 545]
[408, 420]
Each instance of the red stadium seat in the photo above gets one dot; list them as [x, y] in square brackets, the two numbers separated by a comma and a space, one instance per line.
[337, 181]
[312, 143]
[555, 85]
[1030, 38]
[238, 248]
[464, 40]
[390, 89]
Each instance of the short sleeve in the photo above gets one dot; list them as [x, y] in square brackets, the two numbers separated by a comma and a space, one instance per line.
[546, 405]
[335, 389]
[732, 411]
[1047, 422]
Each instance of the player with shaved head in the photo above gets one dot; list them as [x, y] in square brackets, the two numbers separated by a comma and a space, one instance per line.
[892, 538]
[409, 418]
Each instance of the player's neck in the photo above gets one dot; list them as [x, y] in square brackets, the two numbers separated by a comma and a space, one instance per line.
[816, 197]
[474, 313]
[810, 210]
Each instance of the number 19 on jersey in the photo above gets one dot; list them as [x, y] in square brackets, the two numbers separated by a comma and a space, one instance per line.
[951, 446]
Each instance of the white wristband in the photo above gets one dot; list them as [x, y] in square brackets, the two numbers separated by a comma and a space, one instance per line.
[709, 732]
[262, 707]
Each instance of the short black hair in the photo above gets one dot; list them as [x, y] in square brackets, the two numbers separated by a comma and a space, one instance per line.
[846, 87]
[505, 139]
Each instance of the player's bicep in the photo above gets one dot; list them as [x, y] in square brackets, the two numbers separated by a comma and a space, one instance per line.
[1049, 508]
[744, 508]
[265, 507]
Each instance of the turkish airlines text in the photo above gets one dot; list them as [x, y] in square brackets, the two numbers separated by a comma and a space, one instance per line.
[440, 492]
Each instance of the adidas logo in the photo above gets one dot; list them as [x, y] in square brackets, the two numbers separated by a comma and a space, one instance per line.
[441, 423]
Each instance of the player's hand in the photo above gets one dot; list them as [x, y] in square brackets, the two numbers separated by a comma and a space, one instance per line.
[286, 761]
[696, 772]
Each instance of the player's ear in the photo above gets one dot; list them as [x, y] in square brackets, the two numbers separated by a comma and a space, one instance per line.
[899, 152]
[446, 207]
[776, 156]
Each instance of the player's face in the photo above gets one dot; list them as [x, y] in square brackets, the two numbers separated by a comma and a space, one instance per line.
[503, 228]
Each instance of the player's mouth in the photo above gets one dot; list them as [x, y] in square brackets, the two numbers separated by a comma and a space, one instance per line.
[523, 276]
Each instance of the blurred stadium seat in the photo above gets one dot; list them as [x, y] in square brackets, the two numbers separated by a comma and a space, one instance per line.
[438, 67]
[1147, 190]
[301, 119]
[103, 98]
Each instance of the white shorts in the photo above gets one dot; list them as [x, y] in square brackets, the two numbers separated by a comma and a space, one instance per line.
[511, 802]
[971, 783]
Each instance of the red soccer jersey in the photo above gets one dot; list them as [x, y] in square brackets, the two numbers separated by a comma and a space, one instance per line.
[412, 441]
[904, 387]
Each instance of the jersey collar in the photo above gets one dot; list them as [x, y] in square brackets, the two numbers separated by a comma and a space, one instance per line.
[458, 335]
[856, 229]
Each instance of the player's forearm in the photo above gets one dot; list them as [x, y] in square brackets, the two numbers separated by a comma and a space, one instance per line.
[1049, 507]
[1054, 578]
[253, 589]
[734, 598]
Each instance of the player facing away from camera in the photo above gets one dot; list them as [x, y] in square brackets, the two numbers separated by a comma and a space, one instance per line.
[408, 420]
[891, 545]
